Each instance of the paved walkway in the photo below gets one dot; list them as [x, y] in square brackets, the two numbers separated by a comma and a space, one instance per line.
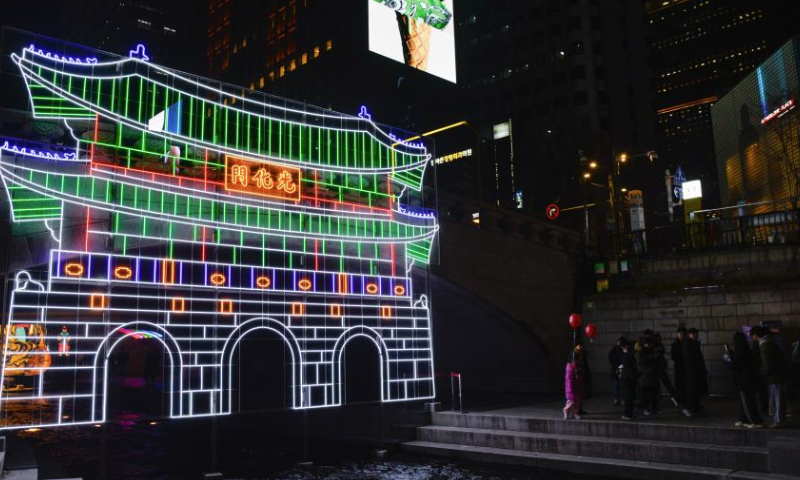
[721, 412]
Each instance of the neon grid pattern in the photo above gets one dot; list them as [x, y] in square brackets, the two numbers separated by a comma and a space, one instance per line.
[147, 243]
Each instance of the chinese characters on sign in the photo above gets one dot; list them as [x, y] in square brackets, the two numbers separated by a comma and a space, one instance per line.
[262, 178]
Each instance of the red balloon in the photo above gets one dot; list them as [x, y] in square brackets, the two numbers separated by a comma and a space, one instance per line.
[575, 321]
[591, 330]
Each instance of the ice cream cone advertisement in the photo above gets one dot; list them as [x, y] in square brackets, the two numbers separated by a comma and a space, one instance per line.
[418, 33]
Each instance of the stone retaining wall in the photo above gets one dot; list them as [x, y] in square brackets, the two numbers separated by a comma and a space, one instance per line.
[717, 313]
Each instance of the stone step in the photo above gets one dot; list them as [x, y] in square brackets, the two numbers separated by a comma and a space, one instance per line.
[700, 455]
[592, 466]
[647, 430]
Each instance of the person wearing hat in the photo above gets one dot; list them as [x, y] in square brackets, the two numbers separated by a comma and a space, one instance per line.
[696, 374]
[676, 352]
[628, 378]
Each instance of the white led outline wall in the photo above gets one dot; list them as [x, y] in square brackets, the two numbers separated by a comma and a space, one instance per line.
[201, 321]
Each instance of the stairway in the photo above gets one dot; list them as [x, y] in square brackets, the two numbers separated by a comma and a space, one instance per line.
[611, 448]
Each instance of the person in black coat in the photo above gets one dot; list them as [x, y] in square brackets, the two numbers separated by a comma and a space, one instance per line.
[680, 368]
[614, 361]
[696, 374]
[746, 380]
[628, 378]
[660, 351]
[648, 365]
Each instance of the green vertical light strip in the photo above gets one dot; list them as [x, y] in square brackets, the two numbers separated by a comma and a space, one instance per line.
[247, 136]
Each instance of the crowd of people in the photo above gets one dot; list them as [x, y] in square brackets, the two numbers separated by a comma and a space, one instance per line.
[639, 372]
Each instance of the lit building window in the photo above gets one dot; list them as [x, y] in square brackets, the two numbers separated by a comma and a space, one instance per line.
[261, 82]
[304, 59]
[316, 51]
[282, 71]
[328, 45]
[292, 66]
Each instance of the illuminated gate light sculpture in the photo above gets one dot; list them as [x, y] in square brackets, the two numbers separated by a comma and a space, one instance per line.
[193, 216]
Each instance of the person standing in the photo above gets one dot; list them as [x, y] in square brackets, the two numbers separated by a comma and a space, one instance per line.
[774, 371]
[745, 380]
[628, 377]
[647, 363]
[574, 389]
[676, 353]
[696, 374]
[614, 361]
[582, 357]
[663, 377]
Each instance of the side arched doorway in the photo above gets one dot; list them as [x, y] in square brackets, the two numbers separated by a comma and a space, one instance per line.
[360, 367]
[137, 374]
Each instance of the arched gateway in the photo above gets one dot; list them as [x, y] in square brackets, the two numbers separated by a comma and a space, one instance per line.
[197, 215]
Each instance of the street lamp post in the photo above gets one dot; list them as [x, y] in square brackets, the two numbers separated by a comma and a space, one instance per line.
[618, 161]
[586, 174]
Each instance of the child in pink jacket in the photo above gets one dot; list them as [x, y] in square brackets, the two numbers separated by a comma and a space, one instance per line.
[574, 389]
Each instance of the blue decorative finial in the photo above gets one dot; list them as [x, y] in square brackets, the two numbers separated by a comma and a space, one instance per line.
[139, 53]
[364, 113]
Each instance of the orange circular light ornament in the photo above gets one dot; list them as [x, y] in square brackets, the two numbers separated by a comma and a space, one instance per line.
[304, 284]
[123, 273]
[217, 279]
[263, 282]
[372, 288]
[399, 290]
[73, 269]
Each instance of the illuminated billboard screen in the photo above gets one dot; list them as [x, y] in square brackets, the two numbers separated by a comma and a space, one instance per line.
[419, 33]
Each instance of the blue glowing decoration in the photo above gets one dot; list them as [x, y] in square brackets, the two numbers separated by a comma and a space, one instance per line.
[762, 95]
[61, 58]
[410, 144]
[364, 113]
[37, 153]
[417, 212]
[139, 52]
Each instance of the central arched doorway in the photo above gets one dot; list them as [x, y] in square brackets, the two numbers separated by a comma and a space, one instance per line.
[261, 368]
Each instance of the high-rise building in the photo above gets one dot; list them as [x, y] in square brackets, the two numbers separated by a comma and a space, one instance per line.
[319, 51]
[169, 31]
[568, 79]
[699, 50]
[755, 134]
[324, 53]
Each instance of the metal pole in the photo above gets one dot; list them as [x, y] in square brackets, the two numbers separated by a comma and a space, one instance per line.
[452, 391]
[381, 427]
[586, 219]
[670, 204]
[305, 434]
[460, 398]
